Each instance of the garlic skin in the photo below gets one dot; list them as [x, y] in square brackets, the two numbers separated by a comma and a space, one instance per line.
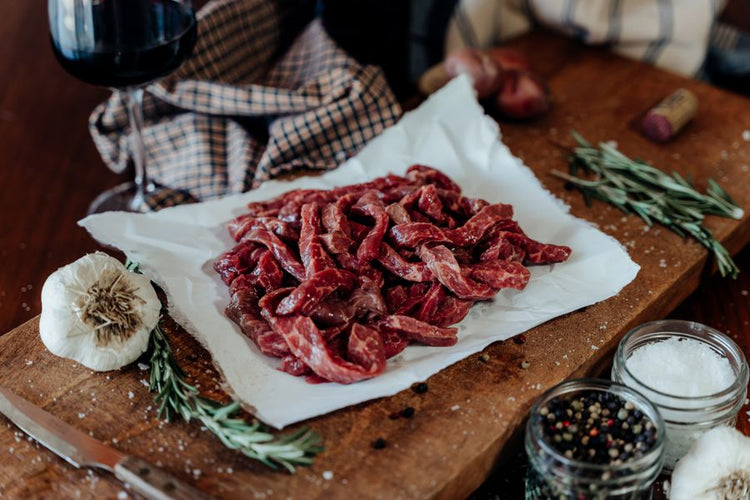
[716, 467]
[98, 313]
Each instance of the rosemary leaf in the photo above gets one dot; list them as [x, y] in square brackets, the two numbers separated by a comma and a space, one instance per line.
[177, 398]
[636, 187]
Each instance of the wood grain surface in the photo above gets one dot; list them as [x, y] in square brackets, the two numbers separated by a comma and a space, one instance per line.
[466, 422]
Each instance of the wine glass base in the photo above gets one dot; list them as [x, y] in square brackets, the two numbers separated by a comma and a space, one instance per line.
[120, 198]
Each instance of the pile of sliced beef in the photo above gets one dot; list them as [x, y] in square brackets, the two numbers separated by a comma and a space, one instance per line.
[334, 282]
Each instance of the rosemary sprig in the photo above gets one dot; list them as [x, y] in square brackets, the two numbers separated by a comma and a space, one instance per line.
[636, 187]
[178, 399]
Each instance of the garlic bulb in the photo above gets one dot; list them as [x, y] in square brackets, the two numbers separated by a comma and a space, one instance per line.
[717, 467]
[98, 313]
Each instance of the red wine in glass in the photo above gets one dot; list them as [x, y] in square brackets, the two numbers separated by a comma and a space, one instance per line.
[123, 44]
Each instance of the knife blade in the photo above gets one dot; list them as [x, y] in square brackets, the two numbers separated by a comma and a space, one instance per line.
[81, 450]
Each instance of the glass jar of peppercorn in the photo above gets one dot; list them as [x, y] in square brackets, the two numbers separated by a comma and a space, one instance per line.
[590, 439]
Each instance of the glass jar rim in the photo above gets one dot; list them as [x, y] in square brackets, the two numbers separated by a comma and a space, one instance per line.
[730, 349]
[602, 385]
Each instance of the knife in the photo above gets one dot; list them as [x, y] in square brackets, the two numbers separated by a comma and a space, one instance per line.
[82, 450]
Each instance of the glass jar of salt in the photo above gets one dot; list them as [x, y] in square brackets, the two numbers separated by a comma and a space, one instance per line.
[696, 376]
[590, 439]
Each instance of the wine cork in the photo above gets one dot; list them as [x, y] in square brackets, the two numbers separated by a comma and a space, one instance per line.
[666, 119]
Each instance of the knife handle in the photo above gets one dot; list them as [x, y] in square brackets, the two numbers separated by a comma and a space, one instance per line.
[153, 483]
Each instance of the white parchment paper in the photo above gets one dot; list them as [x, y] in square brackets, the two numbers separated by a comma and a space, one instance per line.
[176, 248]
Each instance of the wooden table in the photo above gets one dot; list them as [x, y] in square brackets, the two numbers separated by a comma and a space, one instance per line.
[50, 172]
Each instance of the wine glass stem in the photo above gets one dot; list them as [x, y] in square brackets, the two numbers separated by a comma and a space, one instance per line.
[134, 101]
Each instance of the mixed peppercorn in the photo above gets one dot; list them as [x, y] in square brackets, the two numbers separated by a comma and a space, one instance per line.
[596, 427]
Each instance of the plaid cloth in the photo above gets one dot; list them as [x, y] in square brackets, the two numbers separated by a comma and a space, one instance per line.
[236, 114]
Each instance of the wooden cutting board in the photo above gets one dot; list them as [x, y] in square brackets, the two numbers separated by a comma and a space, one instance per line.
[472, 409]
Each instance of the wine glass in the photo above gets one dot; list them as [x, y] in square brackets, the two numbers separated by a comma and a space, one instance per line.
[125, 45]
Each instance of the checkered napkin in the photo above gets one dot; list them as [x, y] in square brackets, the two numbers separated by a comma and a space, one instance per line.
[245, 108]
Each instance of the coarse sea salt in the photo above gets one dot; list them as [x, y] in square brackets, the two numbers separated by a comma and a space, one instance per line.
[681, 367]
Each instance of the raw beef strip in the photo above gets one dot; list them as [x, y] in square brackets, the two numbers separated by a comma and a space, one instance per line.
[368, 301]
[243, 310]
[244, 223]
[543, 253]
[336, 242]
[366, 348]
[535, 252]
[397, 213]
[279, 249]
[244, 301]
[443, 265]
[311, 292]
[393, 342]
[413, 234]
[422, 332]
[373, 207]
[359, 231]
[451, 310]
[333, 218]
[271, 299]
[404, 299]
[239, 260]
[334, 332]
[306, 342]
[290, 212]
[314, 257]
[267, 274]
[472, 206]
[501, 274]
[429, 203]
[332, 312]
[431, 302]
[292, 365]
[271, 343]
[394, 263]
[368, 275]
[501, 248]
[475, 228]
[427, 175]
